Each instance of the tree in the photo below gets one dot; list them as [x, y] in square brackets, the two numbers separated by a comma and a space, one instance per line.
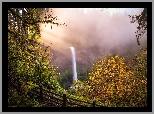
[114, 84]
[65, 79]
[141, 19]
[28, 58]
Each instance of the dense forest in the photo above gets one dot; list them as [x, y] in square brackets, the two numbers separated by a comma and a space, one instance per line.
[114, 80]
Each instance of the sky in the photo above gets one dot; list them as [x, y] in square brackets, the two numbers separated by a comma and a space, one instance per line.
[93, 32]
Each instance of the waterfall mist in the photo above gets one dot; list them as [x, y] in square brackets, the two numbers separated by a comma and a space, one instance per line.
[93, 33]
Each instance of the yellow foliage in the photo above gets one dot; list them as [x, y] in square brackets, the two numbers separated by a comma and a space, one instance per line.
[144, 52]
[111, 79]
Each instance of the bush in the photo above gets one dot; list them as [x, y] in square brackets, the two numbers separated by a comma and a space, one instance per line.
[114, 84]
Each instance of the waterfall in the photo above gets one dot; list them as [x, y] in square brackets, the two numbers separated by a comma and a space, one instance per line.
[73, 64]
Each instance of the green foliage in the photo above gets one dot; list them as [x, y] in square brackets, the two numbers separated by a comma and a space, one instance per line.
[82, 73]
[77, 86]
[16, 100]
[82, 77]
[65, 79]
[28, 58]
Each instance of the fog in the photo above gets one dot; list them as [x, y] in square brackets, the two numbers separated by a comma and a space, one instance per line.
[92, 32]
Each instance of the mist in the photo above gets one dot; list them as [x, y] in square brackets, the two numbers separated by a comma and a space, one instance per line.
[92, 32]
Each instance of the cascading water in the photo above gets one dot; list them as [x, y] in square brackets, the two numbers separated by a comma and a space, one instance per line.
[74, 64]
